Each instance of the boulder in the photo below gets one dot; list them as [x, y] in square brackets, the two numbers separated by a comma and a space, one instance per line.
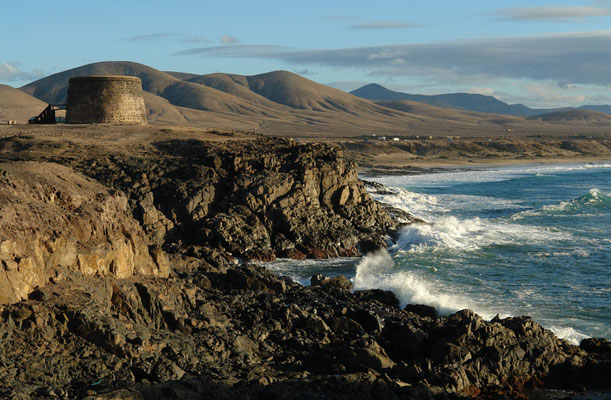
[422, 309]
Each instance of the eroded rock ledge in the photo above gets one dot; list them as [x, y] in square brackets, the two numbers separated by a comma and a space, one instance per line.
[54, 219]
[256, 200]
[85, 222]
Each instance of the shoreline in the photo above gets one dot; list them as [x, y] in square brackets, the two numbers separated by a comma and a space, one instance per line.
[427, 166]
[141, 295]
[582, 166]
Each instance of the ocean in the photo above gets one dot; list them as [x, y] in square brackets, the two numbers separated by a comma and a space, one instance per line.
[510, 240]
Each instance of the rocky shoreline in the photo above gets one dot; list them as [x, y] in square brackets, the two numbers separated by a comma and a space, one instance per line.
[126, 273]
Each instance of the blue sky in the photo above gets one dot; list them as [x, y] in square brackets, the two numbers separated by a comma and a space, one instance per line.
[542, 54]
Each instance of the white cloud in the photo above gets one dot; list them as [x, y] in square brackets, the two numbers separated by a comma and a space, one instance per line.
[562, 60]
[482, 90]
[236, 51]
[228, 39]
[553, 13]
[567, 58]
[550, 93]
[10, 71]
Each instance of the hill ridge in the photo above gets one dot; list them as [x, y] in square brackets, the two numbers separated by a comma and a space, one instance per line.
[282, 102]
[465, 101]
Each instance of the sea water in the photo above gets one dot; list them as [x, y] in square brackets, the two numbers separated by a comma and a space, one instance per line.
[514, 240]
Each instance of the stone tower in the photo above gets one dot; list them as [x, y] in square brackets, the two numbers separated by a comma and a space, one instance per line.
[105, 99]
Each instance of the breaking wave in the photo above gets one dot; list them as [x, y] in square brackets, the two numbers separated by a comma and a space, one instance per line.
[377, 271]
[568, 333]
[453, 234]
[593, 199]
[590, 202]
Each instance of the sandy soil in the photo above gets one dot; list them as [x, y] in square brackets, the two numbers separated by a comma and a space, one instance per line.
[412, 156]
[403, 157]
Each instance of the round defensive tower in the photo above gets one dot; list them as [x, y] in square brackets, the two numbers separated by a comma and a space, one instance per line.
[105, 99]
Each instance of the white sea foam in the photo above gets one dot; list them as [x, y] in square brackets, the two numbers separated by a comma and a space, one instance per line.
[421, 205]
[568, 333]
[484, 174]
[445, 233]
[588, 202]
[453, 234]
[593, 198]
[377, 271]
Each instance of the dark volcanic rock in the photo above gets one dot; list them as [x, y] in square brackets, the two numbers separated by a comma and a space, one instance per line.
[256, 200]
[596, 345]
[422, 309]
[339, 282]
[383, 296]
[216, 328]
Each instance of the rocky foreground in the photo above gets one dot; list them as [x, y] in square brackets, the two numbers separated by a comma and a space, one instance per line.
[126, 273]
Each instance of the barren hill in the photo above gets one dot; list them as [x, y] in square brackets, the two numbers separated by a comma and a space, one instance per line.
[53, 88]
[17, 105]
[584, 117]
[284, 103]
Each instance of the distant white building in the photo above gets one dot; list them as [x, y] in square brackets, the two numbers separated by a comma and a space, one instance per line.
[382, 138]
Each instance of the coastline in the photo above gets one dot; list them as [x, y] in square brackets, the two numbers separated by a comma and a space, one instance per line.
[424, 166]
[488, 210]
[200, 320]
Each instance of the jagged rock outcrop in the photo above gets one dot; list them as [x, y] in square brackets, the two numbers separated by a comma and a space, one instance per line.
[256, 199]
[246, 333]
[52, 219]
[95, 312]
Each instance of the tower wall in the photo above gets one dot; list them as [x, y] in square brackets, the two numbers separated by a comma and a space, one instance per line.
[105, 99]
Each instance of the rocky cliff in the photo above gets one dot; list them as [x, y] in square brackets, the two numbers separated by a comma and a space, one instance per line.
[120, 278]
[256, 199]
[54, 219]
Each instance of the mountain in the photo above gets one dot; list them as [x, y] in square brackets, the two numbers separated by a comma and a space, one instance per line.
[288, 89]
[277, 97]
[17, 105]
[464, 101]
[584, 117]
[284, 103]
[600, 108]
[54, 88]
[448, 114]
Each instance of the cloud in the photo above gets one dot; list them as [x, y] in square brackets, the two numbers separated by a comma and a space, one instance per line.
[564, 85]
[236, 51]
[384, 25]
[195, 39]
[553, 13]
[305, 72]
[568, 58]
[486, 91]
[168, 36]
[228, 39]
[549, 93]
[10, 71]
[559, 60]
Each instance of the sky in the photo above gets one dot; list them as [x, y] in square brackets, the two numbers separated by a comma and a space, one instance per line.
[538, 53]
